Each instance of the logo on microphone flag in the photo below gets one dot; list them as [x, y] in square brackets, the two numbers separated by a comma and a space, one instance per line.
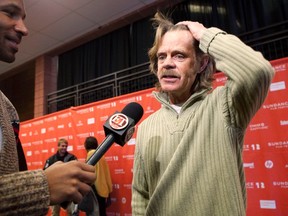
[118, 121]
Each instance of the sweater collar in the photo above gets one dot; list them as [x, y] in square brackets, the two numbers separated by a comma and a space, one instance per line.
[163, 98]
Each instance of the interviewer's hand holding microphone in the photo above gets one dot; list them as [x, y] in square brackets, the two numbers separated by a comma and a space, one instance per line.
[71, 181]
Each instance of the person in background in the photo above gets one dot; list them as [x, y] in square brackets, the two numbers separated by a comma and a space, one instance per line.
[103, 184]
[188, 154]
[61, 155]
[30, 192]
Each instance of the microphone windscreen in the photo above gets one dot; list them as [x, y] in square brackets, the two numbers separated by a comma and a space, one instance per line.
[134, 111]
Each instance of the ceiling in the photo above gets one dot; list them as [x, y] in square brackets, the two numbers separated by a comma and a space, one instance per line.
[54, 23]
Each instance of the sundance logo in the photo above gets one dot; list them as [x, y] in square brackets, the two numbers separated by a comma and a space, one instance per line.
[86, 110]
[50, 140]
[51, 119]
[279, 144]
[281, 184]
[29, 144]
[103, 106]
[276, 106]
[127, 186]
[38, 122]
[64, 115]
[259, 126]
[119, 171]
[128, 157]
[26, 125]
[39, 142]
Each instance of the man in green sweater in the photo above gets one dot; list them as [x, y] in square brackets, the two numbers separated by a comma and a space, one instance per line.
[188, 155]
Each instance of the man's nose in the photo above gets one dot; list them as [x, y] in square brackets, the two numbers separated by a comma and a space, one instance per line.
[168, 63]
[21, 27]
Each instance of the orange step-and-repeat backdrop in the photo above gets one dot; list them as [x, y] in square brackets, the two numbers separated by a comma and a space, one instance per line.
[265, 148]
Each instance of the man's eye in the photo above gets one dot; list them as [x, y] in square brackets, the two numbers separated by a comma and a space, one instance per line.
[7, 13]
[161, 57]
[11, 13]
[179, 57]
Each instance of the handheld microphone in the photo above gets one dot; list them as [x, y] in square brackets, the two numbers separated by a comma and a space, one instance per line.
[118, 128]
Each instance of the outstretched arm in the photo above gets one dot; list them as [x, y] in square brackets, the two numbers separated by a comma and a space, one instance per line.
[31, 192]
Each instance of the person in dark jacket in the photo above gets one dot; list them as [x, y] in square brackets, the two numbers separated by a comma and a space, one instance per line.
[61, 155]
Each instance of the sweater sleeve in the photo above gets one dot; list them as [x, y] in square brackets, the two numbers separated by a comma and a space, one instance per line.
[24, 193]
[249, 74]
[140, 193]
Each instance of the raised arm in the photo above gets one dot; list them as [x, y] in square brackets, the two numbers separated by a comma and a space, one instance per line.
[249, 73]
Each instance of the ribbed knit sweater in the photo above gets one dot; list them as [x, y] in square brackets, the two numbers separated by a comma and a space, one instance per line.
[190, 164]
[21, 193]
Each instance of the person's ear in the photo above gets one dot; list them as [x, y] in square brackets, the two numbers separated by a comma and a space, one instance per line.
[204, 63]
